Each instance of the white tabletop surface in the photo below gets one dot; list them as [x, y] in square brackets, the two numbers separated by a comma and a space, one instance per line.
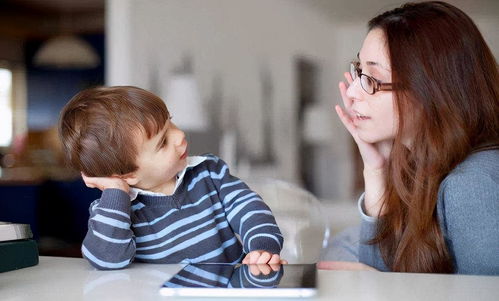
[58, 278]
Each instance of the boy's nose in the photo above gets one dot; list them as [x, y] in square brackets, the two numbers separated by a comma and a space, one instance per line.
[180, 137]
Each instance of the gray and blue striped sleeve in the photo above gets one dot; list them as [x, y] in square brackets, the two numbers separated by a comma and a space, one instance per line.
[109, 243]
[247, 213]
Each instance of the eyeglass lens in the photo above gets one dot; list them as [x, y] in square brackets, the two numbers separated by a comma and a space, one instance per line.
[366, 82]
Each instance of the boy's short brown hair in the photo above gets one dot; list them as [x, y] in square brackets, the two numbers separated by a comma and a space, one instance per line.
[97, 128]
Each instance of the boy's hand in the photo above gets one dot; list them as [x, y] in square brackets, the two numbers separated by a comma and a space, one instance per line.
[264, 269]
[260, 257]
[106, 183]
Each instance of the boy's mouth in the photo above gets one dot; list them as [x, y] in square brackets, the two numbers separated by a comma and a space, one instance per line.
[184, 155]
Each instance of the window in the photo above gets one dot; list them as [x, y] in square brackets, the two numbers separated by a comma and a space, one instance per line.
[5, 107]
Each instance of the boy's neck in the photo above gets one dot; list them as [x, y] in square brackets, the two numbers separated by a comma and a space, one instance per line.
[167, 188]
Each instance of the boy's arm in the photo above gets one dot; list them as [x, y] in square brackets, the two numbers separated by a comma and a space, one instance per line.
[109, 243]
[246, 212]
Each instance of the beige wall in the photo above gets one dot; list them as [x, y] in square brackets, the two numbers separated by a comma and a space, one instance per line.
[231, 39]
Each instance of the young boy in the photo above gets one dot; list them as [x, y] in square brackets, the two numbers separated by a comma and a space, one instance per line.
[158, 205]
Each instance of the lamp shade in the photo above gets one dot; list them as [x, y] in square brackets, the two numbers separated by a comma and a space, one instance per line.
[66, 51]
[184, 103]
[318, 127]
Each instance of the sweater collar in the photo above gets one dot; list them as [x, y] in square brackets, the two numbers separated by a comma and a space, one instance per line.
[191, 162]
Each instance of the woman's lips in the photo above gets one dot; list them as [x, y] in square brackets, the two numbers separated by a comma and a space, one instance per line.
[359, 116]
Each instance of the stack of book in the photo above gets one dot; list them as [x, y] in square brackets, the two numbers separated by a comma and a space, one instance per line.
[17, 247]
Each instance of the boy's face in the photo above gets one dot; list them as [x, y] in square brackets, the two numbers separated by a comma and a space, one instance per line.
[159, 159]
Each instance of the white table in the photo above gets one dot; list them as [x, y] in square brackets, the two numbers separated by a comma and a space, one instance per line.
[58, 278]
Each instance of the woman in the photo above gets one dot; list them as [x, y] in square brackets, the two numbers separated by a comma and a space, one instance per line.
[422, 104]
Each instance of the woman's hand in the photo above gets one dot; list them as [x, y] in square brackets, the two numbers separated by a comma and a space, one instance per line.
[106, 183]
[374, 155]
[344, 266]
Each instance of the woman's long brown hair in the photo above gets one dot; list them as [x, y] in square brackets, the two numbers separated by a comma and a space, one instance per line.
[447, 99]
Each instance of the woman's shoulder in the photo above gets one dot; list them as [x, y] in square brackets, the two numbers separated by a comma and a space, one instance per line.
[486, 161]
[474, 180]
[467, 208]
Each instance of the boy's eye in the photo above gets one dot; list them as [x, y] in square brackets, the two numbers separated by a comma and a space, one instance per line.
[163, 142]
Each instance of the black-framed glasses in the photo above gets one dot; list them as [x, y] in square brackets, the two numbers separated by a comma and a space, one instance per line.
[370, 84]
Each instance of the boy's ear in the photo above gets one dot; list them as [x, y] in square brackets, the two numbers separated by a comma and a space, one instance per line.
[130, 178]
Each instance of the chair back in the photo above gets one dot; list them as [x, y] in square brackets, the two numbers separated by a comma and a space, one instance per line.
[300, 217]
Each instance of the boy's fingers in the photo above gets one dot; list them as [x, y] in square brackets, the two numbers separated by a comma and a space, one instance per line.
[275, 267]
[246, 259]
[253, 256]
[264, 268]
[89, 184]
[85, 179]
[283, 261]
[264, 258]
[254, 270]
[275, 259]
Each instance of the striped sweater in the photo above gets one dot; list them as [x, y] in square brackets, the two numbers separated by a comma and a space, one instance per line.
[198, 223]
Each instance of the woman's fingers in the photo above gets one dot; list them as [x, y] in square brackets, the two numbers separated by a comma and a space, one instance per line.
[346, 120]
[347, 101]
[371, 156]
[348, 77]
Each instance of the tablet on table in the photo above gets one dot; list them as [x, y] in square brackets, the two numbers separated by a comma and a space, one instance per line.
[241, 280]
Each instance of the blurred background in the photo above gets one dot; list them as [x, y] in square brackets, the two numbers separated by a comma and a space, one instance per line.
[254, 82]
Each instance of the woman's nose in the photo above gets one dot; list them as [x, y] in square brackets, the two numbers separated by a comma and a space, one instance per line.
[354, 91]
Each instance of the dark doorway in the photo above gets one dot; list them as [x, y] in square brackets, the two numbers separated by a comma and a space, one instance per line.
[307, 77]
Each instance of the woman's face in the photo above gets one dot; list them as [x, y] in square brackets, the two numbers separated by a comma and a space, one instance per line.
[374, 115]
